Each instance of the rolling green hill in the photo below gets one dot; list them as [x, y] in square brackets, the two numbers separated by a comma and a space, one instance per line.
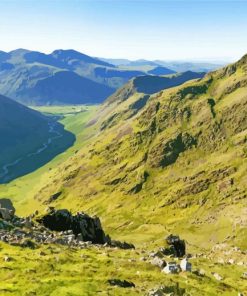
[27, 139]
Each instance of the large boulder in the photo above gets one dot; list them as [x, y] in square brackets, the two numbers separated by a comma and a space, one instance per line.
[7, 210]
[176, 247]
[84, 227]
[121, 283]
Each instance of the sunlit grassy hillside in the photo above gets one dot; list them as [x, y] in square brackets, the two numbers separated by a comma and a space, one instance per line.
[175, 164]
[171, 162]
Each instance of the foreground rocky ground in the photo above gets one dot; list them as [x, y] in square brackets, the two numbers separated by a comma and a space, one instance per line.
[37, 260]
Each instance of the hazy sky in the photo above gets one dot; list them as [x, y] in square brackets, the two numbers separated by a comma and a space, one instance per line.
[155, 29]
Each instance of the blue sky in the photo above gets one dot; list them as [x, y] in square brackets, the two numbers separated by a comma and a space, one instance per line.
[155, 29]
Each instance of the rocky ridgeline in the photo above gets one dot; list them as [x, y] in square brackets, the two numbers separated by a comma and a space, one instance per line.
[57, 226]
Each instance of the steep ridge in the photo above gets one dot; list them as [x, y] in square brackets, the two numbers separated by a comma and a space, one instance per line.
[177, 165]
[26, 139]
[133, 96]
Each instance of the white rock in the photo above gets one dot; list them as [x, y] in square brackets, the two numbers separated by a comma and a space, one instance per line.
[185, 265]
[217, 276]
[158, 262]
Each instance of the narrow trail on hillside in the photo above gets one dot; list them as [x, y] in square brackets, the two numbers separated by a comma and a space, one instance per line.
[51, 126]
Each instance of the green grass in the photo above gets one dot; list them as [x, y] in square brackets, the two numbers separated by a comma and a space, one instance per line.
[28, 185]
[58, 270]
[201, 195]
[62, 110]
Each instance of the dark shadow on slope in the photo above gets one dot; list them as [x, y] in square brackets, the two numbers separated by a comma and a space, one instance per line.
[57, 142]
[153, 84]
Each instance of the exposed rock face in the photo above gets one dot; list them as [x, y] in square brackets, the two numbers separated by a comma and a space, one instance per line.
[167, 152]
[177, 246]
[82, 225]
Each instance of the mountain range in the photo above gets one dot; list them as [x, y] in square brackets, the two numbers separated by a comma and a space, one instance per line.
[176, 66]
[68, 76]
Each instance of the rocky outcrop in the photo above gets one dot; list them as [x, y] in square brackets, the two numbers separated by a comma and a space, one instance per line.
[176, 247]
[56, 227]
[121, 245]
[121, 283]
[167, 152]
[82, 225]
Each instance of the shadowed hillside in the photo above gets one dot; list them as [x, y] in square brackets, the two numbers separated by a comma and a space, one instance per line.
[62, 77]
[27, 139]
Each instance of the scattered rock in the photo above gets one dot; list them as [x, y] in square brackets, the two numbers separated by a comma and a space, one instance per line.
[159, 253]
[231, 261]
[121, 283]
[121, 245]
[167, 290]
[171, 267]
[217, 276]
[185, 265]
[200, 272]
[7, 259]
[143, 259]
[27, 243]
[158, 262]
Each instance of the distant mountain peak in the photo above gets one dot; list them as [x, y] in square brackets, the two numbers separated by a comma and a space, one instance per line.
[68, 54]
[19, 51]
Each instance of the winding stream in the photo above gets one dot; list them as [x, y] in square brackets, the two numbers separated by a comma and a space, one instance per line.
[51, 126]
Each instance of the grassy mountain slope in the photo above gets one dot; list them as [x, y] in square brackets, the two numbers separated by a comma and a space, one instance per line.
[24, 131]
[176, 165]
